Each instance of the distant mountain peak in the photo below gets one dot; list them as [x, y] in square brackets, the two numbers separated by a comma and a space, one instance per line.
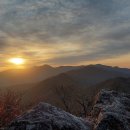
[45, 66]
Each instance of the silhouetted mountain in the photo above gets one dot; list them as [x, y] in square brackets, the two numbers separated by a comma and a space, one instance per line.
[47, 89]
[31, 75]
[77, 81]
[93, 74]
[118, 84]
[116, 69]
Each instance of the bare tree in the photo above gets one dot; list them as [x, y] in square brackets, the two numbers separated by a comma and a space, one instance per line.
[65, 96]
[9, 107]
[85, 104]
[74, 101]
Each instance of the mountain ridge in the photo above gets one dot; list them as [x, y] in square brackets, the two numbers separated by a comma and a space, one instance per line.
[31, 75]
[83, 79]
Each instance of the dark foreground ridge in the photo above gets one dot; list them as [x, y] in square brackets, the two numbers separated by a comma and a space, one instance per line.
[111, 112]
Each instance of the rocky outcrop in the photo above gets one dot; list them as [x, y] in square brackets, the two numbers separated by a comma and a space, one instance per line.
[47, 117]
[112, 111]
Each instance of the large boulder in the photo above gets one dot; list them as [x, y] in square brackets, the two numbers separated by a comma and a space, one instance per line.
[112, 111]
[47, 117]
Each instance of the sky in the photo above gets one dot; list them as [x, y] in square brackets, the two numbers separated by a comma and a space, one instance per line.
[65, 32]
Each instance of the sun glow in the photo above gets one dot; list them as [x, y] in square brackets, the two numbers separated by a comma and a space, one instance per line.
[17, 61]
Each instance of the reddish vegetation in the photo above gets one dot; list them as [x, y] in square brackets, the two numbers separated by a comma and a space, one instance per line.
[9, 107]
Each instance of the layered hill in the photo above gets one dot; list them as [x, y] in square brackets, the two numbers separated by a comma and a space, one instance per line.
[79, 81]
[31, 75]
[93, 74]
[119, 84]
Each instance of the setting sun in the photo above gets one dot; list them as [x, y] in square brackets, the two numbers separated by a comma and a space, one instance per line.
[17, 61]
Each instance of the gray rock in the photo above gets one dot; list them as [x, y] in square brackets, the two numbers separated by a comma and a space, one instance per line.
[112, 111]
[47, 117]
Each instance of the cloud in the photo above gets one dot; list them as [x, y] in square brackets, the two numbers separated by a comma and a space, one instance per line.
[100, 29]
